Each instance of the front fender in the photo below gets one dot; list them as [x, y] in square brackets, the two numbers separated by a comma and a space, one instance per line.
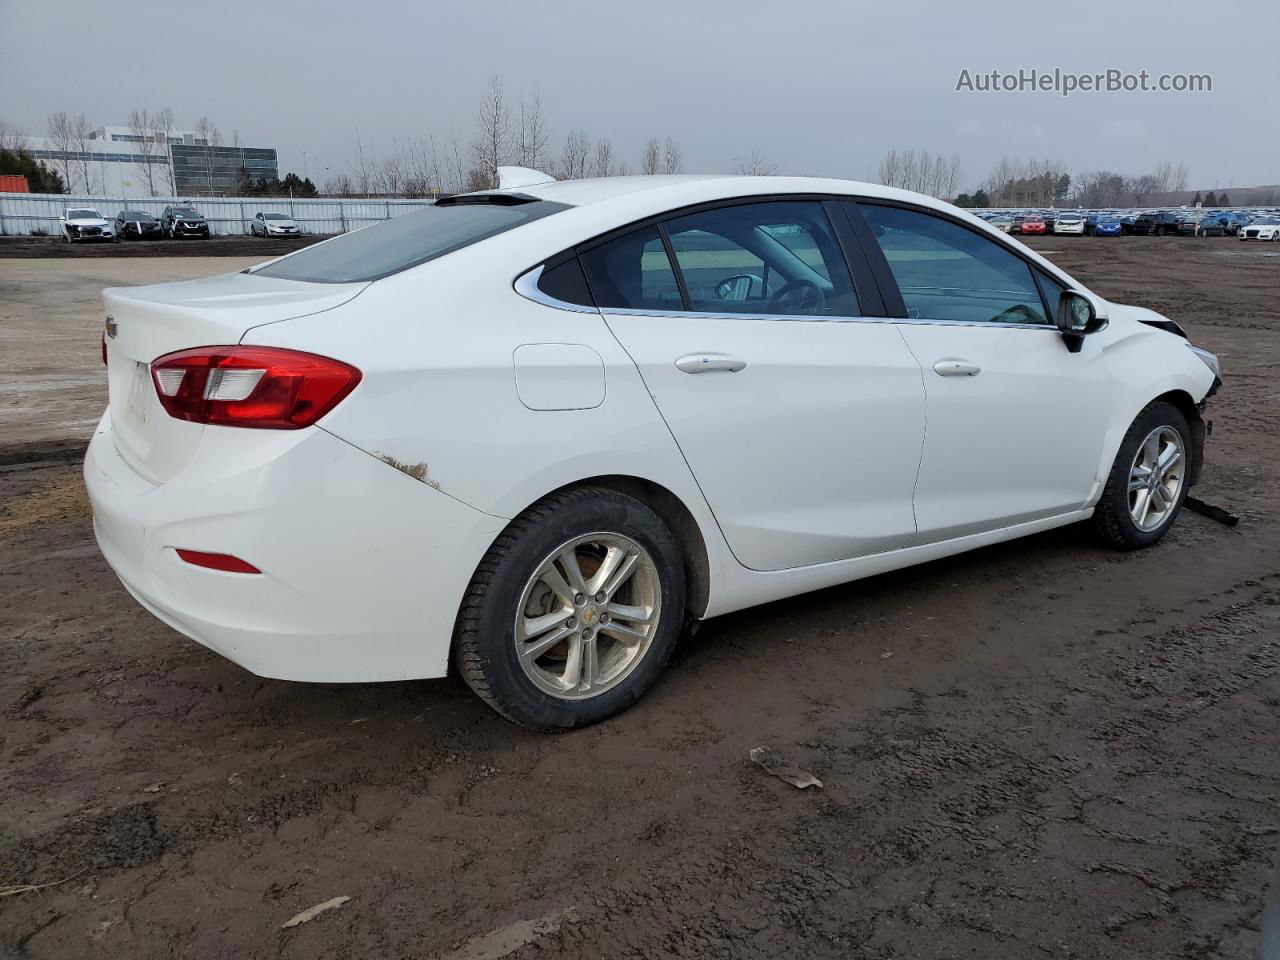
[1146, 363]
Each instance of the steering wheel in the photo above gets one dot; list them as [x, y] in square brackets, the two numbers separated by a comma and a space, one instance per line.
[1018, 313]
[798, 298]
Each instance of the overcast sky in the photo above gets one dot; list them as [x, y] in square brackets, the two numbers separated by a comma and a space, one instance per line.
[819, 88]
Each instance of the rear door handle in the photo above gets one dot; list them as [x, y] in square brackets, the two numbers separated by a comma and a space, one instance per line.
[956, 368]
[703, 362]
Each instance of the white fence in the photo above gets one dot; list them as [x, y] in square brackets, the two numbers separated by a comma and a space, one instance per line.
[35, 214]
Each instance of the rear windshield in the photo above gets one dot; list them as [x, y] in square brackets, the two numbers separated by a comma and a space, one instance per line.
[405, 241]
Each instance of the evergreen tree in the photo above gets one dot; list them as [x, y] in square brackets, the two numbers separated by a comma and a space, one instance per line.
[40, 179]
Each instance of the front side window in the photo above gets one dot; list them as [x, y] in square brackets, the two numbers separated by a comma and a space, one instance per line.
[778, 258]
[948, 272]
[633, 272]
[405, 241]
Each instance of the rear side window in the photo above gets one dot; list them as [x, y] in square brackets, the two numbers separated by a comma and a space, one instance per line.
[565, 281]
[633, 272]
[406, 241]
[778, 258]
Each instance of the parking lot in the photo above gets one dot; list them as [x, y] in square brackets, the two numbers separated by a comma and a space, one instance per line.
[1038, 749]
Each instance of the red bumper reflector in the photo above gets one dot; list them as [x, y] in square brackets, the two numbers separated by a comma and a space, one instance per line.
[217, 561]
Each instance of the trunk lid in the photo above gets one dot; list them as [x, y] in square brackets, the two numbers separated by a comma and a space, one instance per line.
[149, 322]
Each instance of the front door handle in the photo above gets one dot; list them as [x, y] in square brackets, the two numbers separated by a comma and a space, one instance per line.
[703, 362]
[956, 368]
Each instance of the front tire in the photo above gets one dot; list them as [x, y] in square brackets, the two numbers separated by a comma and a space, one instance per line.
[574, 611]
[1148, 481]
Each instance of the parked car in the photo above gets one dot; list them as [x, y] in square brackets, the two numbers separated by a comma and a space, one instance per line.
[1155, 223]
[1069, 223]
[1108, 227]
[1264, 228]
[273, 225]
[1033, 224]
[1209, 225]
[1001, 222]
[1015, 224]
[137, 225]
[1233, 220]
[1050, 218]
[84, 223]
[184, 221]
[335, 466]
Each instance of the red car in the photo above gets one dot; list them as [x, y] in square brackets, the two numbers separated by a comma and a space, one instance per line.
[1033, 225]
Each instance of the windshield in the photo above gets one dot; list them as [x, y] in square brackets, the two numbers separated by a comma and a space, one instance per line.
[1265, 221]
[405, 241]
[185, 212]
[135, 215]
[84, 213]
[275, 216]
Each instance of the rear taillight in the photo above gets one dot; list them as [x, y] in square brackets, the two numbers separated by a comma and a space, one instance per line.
[264, 387]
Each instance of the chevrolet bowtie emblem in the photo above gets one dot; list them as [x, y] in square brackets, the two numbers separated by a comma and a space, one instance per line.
[112, 327]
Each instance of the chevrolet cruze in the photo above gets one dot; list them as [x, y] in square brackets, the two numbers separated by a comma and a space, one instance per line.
[538, 430]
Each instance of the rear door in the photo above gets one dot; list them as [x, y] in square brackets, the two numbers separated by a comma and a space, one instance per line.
[1016, 421]
[801, 417]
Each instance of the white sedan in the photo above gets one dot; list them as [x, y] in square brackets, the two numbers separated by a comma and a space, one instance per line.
[537, 431]
[85, 223]
[273, 225]
[1069, 223]
[1264, 228]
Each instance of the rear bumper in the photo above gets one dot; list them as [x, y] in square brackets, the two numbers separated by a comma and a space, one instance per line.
[363, 567]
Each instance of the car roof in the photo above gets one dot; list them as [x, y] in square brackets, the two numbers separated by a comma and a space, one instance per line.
[596, 207]
[663, 190]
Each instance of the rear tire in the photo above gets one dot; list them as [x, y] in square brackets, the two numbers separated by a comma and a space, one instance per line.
[1148, 481]
[612, 644]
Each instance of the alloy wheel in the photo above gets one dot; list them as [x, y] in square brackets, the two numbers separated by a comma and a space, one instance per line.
[1156, 478]
[588, 615]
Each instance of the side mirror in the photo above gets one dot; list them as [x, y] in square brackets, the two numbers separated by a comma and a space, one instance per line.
[1077, 317]
[740, 288]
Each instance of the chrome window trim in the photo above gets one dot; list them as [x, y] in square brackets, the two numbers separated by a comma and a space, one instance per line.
[527, 286]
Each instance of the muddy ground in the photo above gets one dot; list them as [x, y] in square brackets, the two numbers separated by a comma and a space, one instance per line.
[1038, 749]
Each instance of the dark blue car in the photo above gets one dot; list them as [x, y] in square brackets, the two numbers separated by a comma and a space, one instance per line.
[1108, 227]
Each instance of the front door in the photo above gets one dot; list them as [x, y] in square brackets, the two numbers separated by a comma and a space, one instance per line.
[1016, 422]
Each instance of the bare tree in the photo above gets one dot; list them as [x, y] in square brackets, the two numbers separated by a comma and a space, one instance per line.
[162, 125]
[531, 134]
[651, 159]
[62, 137]
[211, 136]
[755, 164]
[339, 186]
[602, 164]
[142, 126]
[672, 157]
[366, 169]
[492, 144]
[82, 140]
[11, 137]
[574, 156]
